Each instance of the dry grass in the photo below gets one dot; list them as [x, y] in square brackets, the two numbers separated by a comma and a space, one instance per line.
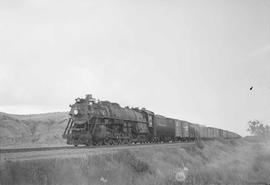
[217, 162]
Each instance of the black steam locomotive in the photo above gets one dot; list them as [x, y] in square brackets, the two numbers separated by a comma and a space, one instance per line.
[94, 122]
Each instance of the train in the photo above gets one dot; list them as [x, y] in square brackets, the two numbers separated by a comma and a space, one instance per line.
[93, 122]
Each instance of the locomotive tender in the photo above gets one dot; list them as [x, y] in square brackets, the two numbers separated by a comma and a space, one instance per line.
[94, 122]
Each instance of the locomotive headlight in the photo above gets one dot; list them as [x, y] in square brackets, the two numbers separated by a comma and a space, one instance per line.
[75, 112]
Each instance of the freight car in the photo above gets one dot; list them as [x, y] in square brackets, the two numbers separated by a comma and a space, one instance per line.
[94, 122]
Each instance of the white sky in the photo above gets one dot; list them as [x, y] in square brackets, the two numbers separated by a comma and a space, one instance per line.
[192, 60]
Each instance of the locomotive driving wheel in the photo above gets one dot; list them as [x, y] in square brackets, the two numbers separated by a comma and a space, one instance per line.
[89, 142]
[107, 141]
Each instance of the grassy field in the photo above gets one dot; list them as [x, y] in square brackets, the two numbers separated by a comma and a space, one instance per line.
[214, 162]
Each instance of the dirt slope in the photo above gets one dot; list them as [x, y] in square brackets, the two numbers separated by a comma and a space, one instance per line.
[32, 130]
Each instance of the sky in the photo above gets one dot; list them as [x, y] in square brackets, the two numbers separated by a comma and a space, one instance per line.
[192, 60]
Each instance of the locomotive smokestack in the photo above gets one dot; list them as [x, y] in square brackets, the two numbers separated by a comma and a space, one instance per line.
[88, 97]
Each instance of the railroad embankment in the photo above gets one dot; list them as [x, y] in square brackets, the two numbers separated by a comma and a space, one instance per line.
[214, 162]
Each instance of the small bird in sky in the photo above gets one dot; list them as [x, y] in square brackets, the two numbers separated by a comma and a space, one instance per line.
[251, 88]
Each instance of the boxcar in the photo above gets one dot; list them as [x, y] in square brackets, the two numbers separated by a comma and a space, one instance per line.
[225, 134]
[179, 131]
[216, 132]
[193, 132]
[185, 129]
[164, 126]
[203, 132]
[210, 133]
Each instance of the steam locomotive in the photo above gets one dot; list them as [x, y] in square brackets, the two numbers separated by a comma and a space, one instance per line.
[94, 122]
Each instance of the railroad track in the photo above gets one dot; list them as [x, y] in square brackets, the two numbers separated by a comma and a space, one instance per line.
[38, 149]
[16, 150]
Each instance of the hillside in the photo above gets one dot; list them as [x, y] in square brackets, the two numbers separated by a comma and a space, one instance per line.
[32, 130]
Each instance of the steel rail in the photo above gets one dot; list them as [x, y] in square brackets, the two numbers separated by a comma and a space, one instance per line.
[17, 150]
